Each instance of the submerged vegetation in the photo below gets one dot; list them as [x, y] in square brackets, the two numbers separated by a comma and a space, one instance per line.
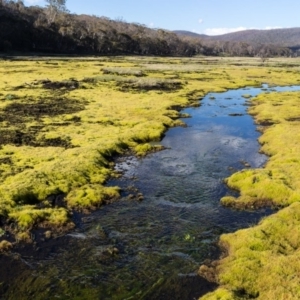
[63, 120]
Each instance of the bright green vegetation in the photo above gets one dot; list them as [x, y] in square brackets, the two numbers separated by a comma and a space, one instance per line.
[62, 121]
[263, 262]
[278, 182]
[219, 294]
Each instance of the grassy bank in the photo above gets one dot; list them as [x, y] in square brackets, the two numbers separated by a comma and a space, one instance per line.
[263, 261]
[62, 121]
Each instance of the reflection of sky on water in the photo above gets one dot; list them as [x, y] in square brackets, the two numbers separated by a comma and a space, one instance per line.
[200, 155]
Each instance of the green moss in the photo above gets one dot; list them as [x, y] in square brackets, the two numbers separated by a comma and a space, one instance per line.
[220, 294]
[64, 123]
[90, 196]
[143, 149]
[27, 216]
[277, 183]
[263, 261]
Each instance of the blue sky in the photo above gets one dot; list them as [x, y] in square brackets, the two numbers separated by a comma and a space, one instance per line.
[202, 16]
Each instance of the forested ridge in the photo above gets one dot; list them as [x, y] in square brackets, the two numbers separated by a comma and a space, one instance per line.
[42, 30]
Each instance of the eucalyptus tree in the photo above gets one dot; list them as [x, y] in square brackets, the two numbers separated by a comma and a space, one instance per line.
[55, 7]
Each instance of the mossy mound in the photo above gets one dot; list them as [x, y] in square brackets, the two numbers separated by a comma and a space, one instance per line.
[263, 262]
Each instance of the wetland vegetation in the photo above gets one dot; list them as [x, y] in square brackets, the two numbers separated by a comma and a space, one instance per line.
[64, 119]
[263, 261]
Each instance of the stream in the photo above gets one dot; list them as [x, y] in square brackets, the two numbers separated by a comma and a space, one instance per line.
[152, 249]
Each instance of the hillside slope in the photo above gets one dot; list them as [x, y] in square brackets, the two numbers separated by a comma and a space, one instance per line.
[286, 37]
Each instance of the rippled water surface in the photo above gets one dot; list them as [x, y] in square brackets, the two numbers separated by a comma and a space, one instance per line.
[151, 249]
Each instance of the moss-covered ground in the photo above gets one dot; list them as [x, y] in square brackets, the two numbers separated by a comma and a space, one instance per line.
[263, 262]
[63, 119]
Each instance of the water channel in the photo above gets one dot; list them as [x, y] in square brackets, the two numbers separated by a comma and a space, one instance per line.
[152, 249]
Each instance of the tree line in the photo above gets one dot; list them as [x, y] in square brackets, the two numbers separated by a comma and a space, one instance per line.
[54, 30]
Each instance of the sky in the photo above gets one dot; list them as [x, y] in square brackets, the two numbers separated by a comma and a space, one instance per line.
[209, 17]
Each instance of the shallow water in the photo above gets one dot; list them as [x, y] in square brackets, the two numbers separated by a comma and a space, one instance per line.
[153, 248]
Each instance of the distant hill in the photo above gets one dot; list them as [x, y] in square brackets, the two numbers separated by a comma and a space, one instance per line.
[190, 33]
[285, 37]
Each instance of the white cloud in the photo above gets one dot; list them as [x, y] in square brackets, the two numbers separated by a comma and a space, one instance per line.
[270, 27]
[151, 25]
[224, 30]
[200, 21]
